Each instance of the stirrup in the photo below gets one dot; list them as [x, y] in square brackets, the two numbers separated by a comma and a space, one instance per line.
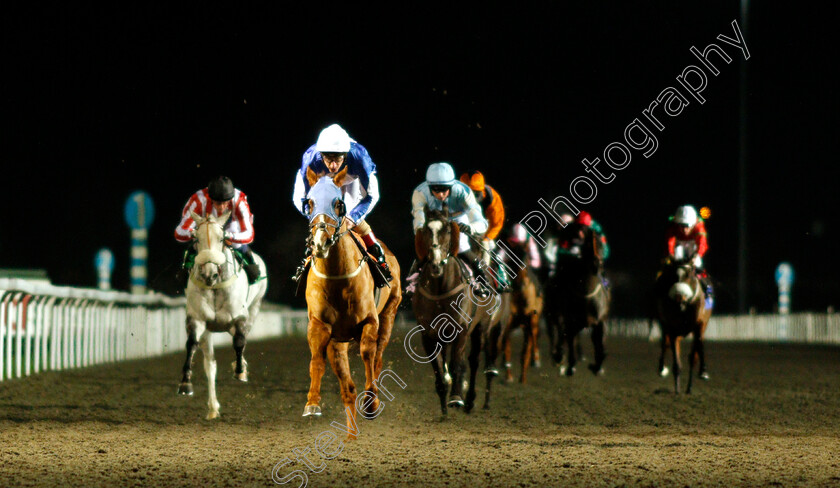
[301, 269]
[479, 289]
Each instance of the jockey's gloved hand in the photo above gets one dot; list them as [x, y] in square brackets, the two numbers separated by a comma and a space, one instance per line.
[228, 238]
[465, 228]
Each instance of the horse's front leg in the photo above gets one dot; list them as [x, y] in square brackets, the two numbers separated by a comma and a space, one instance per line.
[529, 344]
[505, 347]
[491, 352]
[663, 346]
[340, 362]
[475, 353]
[186, 387]
[240, 331]
[430, 344]
[701, 354]
[206, 342]
[675, 350]
[367, 348]
[318, 335]
[598, 344]
[571, 358]
[456, 369]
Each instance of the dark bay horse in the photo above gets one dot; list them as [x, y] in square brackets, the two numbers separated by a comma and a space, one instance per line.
[448, 313]
[682, 310]
[526, 304]
[576, 298]
[340, 301]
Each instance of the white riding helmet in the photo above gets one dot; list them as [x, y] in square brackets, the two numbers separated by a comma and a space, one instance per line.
[440, 174]
[686, 215]
[333, 139]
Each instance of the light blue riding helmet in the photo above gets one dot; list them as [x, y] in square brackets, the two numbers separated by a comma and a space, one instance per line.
[440, 174]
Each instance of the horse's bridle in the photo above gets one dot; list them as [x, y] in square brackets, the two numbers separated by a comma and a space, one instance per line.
[222, 284]
[323, 225]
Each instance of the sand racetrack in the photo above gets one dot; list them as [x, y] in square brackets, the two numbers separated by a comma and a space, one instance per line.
[769, 416]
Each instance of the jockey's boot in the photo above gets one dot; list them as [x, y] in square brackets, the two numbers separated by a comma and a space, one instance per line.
[476, 265]
[304, 263]
[183, 274]
[375, 250]
[706, 281]
[246, 257]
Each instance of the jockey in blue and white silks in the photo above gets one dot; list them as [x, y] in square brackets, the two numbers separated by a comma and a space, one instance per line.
[333, 151]
[441, 188]
[462, 205]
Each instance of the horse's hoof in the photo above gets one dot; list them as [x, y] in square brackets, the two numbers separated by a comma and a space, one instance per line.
[312, 411]
[664, 372]
[455, 402]
[492, 371]
[537, 363]
[564, 370]
[704, 376]
[185, 389]
[243, 376]
[596, 370]
[211, 415]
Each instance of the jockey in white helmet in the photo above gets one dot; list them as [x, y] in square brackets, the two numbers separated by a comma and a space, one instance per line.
[334, 150]
[441, 188]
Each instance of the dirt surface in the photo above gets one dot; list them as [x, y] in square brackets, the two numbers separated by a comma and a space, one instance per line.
[769, 416]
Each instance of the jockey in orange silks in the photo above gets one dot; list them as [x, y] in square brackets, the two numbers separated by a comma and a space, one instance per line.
[494, 211]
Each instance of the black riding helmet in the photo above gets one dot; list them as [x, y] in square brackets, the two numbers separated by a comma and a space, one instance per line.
[220, 189]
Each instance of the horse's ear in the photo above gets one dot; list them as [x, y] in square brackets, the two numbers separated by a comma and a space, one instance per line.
[419, 245]
[340, 178]
[312, 177]
[454, 238]
[197, 218]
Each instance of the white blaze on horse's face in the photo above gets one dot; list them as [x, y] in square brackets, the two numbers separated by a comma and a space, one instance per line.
[437, 254]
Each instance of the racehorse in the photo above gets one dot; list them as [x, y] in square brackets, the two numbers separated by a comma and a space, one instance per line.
[449, 313]
[576, 298]
[219, 299]
[682, 309]
[526, 305]
[340, 300]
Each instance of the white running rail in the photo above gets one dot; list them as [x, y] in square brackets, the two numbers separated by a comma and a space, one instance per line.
[45, 327]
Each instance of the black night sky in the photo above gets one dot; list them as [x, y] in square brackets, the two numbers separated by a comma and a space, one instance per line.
[99, 102]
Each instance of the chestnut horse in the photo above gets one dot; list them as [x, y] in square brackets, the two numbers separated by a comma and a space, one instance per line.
[682, 310]
[448, 313]
[576, 298]
[340, 300]
[526, 304]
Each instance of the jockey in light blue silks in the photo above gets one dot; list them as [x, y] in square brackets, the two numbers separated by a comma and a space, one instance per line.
[333, 151]
[441, 188]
